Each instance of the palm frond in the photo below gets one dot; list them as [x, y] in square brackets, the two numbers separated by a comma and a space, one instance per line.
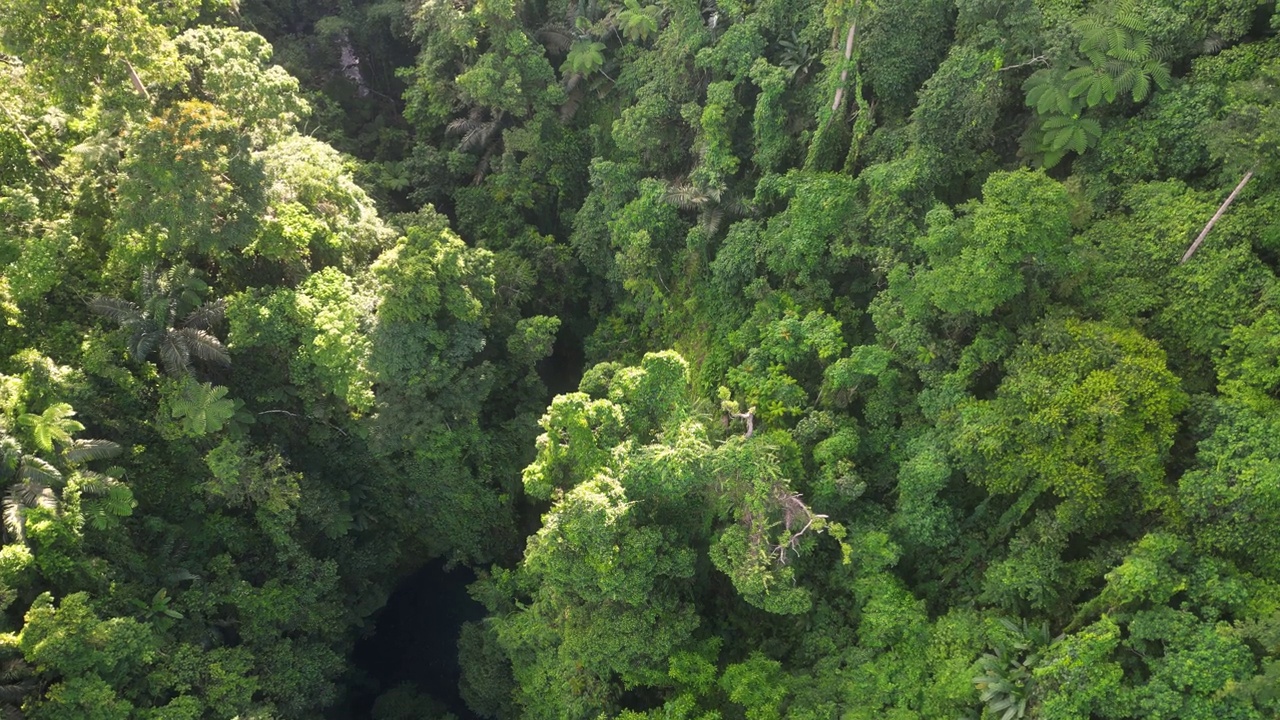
[39, 471]
[116, 310]
[555, 37]
[88, 450]
[204, 346]
[462, 125]
[15, 693]
[207, 315]
[175, 354]
[144, 342]
[19, 499]
[687, 197]
[478, 136]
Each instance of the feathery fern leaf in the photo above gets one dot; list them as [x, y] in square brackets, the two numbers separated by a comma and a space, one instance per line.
[36, 470]
[88, 450]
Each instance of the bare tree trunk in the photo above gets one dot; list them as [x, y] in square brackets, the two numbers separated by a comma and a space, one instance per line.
[848, 53]
[137, 81]
[1216, 216]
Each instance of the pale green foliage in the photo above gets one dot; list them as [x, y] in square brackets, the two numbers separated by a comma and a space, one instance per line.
[601, 607]
[1087, 414]
[302, 171]
[55, 424]
[75, 49]
[231, 68]
[1017, 237]
[72, 642]
[772, 143]
[579, 437]
[246, 476]
[1235, 487]
[202, 408]
[638, 23]
[921, 517]
[321, 327]
[1136, 274]
[34, 247]
[533, 339]
[190, 186]
[756, 685]
[1078, 673]
[334, 346]
[815, 226]
[585, 57]
[636, 484]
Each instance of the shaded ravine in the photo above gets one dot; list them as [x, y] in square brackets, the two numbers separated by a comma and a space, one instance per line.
[415, 639]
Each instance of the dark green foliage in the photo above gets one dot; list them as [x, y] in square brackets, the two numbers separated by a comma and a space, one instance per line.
[898, 400]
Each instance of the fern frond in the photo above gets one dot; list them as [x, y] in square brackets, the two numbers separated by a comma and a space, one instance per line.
[88, 450]
[94, 483]
[38, 471]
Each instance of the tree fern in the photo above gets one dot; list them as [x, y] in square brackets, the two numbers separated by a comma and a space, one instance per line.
[1092, 84]
[585, 57]
[638, 23]
[1048, 92]
[88, 450]
[103, 499]
[52, 425]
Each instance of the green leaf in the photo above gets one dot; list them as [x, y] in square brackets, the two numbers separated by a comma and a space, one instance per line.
[202, 408]
[585, 57]
[54, 424]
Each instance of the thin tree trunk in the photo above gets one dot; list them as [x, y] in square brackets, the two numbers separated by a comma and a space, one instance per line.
[137, 81]
[848, 53]
[1216, 216]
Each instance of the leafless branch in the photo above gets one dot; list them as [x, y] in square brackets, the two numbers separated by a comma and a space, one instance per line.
[1216, 216]
[1037, 60]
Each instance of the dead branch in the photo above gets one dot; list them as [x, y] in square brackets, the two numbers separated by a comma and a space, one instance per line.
[1216, 216]
[1037, 60]
[137, 81]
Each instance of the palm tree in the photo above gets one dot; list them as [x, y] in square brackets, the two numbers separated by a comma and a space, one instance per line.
[155, 326]
[18, 682]
[31, 479]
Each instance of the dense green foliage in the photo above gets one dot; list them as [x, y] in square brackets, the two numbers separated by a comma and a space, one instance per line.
[897, 400]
